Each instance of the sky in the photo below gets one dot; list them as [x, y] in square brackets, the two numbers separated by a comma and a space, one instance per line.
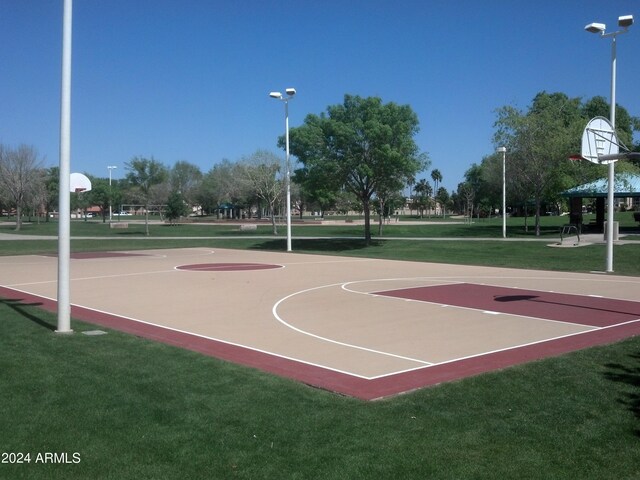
[190, 79]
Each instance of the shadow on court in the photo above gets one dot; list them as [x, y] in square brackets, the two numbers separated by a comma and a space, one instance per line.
[25, 310]
[539, 299]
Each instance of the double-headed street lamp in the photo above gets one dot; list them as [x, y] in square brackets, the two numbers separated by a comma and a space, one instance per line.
[110, 167]
[503, 150]
[290, 92]
[624, 22]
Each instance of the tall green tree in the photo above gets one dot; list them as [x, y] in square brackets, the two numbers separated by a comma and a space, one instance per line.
[52, 188]
[436, 176]
[539, 142]
[423, 192]
[143, 174]
[100, 196]
[176, 207]
[362, 145]
[185, 178]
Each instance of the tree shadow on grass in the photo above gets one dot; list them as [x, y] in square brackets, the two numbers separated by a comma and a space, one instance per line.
[132, 233]
[317, 244]
[630, 375]
[24, 309]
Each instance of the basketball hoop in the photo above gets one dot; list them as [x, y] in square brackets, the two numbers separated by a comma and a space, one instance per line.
[79, 183]
[599, 141]
[576, 158]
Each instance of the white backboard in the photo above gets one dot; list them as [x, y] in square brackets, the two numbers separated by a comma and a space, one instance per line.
[599, 139]
[79, 183]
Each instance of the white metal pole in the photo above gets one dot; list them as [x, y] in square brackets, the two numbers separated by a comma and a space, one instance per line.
[611, 171]
[288, 179]
[64, 210]
[110, 210]
[504, 193]
[110, 167]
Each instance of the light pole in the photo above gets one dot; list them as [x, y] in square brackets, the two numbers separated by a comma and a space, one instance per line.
[277, 95]
[110, 167]
[64, 200]
[600, 28]
[503, 150]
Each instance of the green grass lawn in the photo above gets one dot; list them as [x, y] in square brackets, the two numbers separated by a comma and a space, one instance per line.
[487, 251]
[135, 409]
[438, 228]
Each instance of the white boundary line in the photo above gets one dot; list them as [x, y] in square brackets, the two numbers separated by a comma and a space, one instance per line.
[226, 267]
[274, 310]
[173, 329]
[514, 347]
[426, 365]
[454, 279]
[448, 305]
[93, 278]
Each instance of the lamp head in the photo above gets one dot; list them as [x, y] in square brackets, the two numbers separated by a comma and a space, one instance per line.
[275, 95]
[291, 91]
[625, 21]
[596, 27]
[501, 150]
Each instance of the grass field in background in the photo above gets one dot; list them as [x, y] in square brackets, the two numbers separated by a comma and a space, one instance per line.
[476, 244]
[135, 409]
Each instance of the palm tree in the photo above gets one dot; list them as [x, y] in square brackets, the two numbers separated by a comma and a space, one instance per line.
[411, 181]
[436, 176]
[423, 192]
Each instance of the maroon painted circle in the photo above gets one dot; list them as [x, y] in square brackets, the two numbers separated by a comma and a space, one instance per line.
[227, 267]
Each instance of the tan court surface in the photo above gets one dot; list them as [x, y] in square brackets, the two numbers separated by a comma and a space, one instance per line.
[316, 310]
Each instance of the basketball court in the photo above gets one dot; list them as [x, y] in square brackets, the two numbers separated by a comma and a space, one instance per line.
[361, 327]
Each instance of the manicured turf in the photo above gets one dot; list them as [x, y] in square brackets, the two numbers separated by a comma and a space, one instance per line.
[531, 255]
[131, 408]
[440, 243]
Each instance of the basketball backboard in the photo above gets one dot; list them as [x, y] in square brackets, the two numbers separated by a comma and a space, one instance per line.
[599, 140]
[79, 183]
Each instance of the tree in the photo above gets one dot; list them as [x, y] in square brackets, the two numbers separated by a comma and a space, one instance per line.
[466, 194]
[99, 195]
[472, 189]
[625, 123]
[185, 178]
[52, 188]
[384, 199]
[540, 141]
[423, 196]
[436, 176]
[144, 174]
[259, 172]
[444, 199]
[176, 207]
[220, 185]
[362, 146]
[19, 176]
[315, 190]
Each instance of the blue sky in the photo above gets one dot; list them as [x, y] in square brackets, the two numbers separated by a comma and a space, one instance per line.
[189, 79]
